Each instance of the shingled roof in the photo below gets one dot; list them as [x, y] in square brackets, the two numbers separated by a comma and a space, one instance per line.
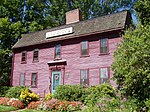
[87, 27]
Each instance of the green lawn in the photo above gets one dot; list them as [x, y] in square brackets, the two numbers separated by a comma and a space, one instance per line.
[7, 108]
[27, 110]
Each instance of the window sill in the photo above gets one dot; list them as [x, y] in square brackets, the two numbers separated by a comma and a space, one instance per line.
[84, 56]
[104, 54]
[23, 62]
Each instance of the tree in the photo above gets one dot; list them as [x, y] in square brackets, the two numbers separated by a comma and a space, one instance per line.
[9, 34]
[132, 63]
[143, 9]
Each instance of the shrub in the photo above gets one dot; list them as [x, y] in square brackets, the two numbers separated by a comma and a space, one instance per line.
[34, 104]
[111, 104]
[51, 103]
[60, 106]
[15, 103]
[4, 100]
[27, 96]
[96, 92]
[3, 90]
[48, 97]
[14, 92]
[11, 102]
[116, 104]
[70, 93]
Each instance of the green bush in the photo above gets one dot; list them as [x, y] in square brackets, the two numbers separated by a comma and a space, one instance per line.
[3, 90]
[14, 92]
[112, 104]
[147, 103]
[96, 92]
[70, 93]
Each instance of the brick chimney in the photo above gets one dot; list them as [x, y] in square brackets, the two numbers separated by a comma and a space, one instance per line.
[73, 16]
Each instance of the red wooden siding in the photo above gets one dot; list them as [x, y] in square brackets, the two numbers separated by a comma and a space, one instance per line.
[71, 52]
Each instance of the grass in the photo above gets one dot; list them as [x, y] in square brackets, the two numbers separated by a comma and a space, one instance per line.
[7, 108]
[28, 110]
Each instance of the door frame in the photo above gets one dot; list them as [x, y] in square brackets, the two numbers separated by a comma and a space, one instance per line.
[60, 68]
[55, 72]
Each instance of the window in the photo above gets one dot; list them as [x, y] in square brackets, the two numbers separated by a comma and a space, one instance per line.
[84, 79]
[57, 51]
[34, 80]
[22, 79]
[84, 48]
[35, 55]
[23, 59]
[104, 75]
[104, 45]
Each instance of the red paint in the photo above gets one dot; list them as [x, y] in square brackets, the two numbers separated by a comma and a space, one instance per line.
[71, 52]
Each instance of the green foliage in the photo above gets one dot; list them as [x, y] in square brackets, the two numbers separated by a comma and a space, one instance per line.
[3, 90]
[96, 92]
[70, 93]
[111, 104]
[147, 103]
[143, 9]
[7, 108]
[14, 92]
[27, 96]
[48, 97]
[132, 63]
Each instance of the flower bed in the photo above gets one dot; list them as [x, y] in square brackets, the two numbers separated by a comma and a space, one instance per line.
[34, 104]
[55, 104]
[11, 102]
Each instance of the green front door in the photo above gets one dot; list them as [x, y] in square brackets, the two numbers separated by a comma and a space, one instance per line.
[56, 80]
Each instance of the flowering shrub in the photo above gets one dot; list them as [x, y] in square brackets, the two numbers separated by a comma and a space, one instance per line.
[63, 106]
[55, 105]
[27, 96]
[34, 104]
[51, 103]
[11, 102]
[67, 106]
[48, 97]
[4, 100]
[15, 103]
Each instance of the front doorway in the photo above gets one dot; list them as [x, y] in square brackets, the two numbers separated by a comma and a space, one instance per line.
[56, 80]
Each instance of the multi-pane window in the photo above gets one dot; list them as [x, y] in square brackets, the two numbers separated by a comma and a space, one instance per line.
[84, 48]
[84, 79]
[23, 58]
[35, 55]
[104, 75]
[34, 80]
[104, 45]
[58, 51]
[22, 79]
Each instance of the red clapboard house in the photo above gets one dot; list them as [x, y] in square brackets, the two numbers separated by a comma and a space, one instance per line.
[79, 52]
